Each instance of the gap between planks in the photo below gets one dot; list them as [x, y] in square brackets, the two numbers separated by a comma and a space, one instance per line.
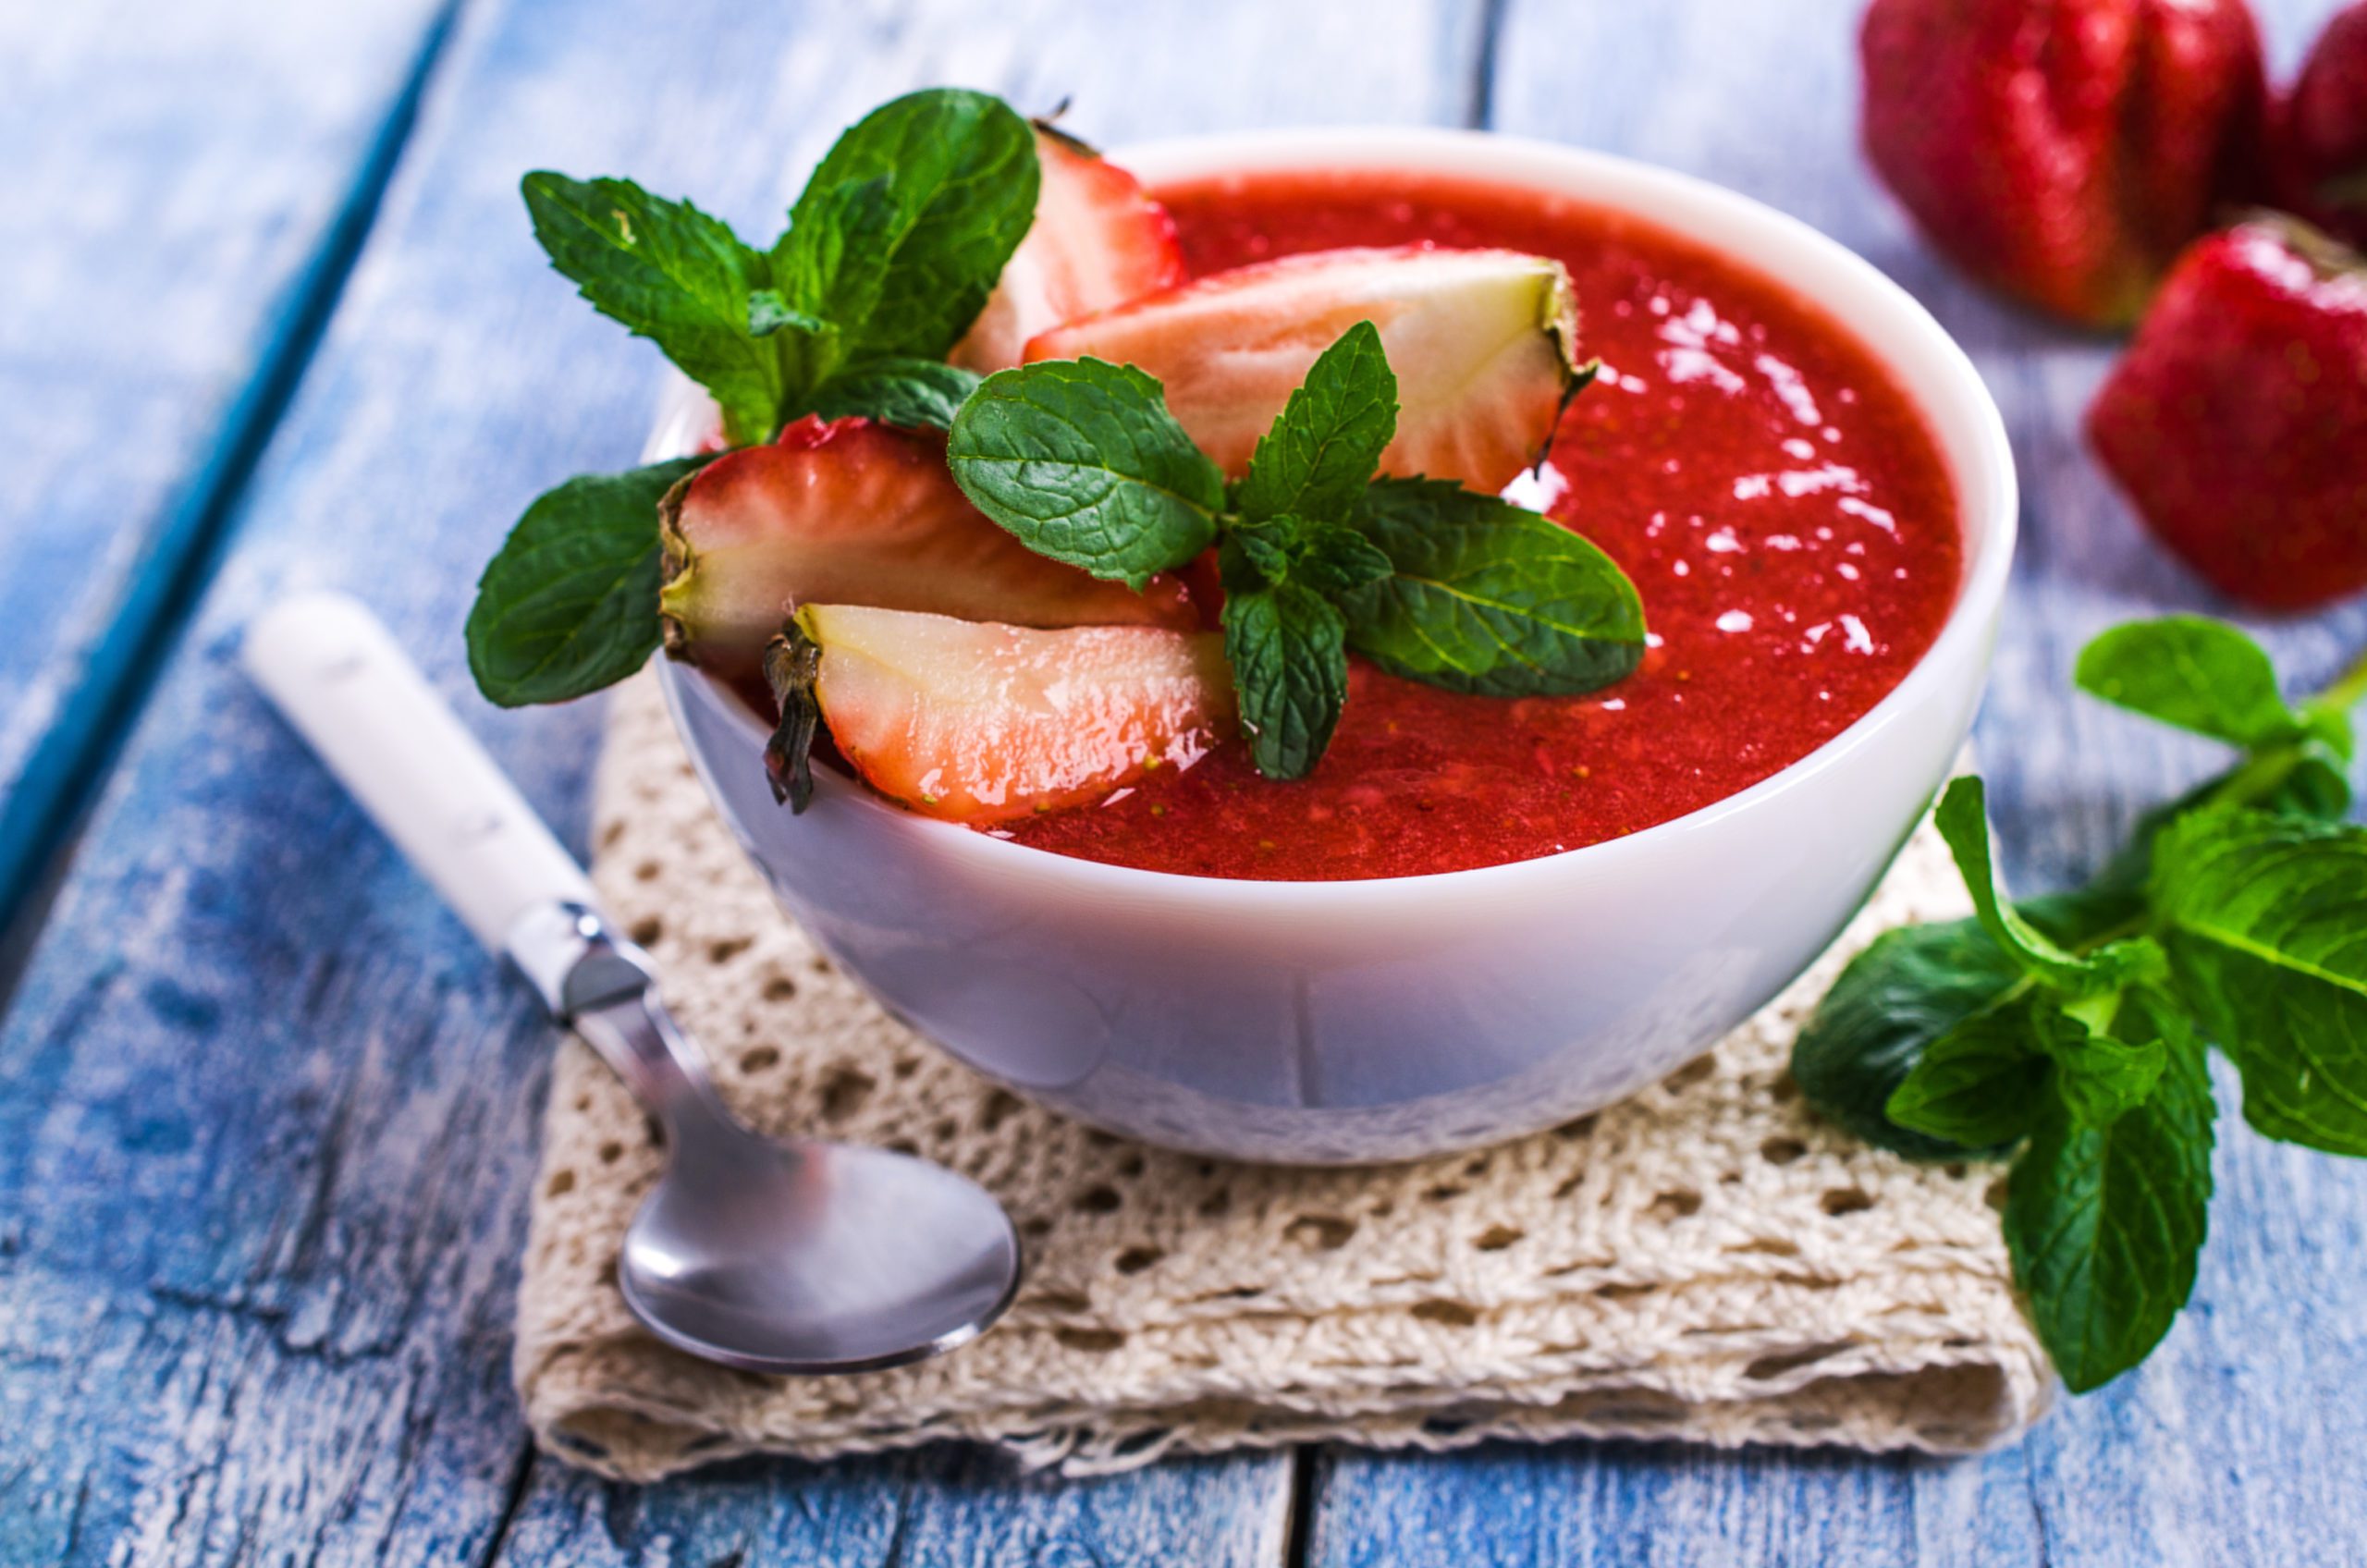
[43, 817]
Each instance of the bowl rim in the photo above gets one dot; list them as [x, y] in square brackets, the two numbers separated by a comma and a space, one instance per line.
[1856, 287]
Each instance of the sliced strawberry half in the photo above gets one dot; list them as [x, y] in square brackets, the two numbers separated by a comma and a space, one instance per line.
[1097, 240]
[1481, 342]
[851, 512]
[981, 723]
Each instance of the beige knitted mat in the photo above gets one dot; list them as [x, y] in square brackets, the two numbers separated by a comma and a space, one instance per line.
[1704, 1261]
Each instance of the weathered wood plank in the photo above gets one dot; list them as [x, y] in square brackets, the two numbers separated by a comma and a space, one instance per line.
[948, 1507]
[180, 178]
[266, 1116]
[261, 1306]
[1643, 1504]
[2236, 1440]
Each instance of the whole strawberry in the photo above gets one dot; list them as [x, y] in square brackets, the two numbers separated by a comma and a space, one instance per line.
[2321, 130]
[2063, 151]
[2236, 422]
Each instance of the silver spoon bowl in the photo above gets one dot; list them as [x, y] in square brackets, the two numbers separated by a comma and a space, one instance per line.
[775, 1256]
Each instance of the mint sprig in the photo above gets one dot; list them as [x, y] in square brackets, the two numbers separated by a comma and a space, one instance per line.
[892, 251]
[1084, 463]
[904, 228]
[2069, 1031]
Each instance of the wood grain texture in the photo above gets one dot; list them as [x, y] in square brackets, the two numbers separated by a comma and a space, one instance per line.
[266, 1114]
[2237, 1442]
[178, 176]
[946, 1507]
[266, 1117]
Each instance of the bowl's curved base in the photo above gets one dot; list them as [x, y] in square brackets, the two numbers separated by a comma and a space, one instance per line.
[1155, 1111]
[1325, 1022]
[1316, 1086]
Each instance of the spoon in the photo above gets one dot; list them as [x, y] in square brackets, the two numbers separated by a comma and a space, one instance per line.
[787, 1256]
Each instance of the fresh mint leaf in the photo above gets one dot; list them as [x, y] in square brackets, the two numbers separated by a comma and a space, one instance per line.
[904, 227]
[2317, 785]
[2266, 920]
[1962, 819]
[1330, 557]
[2305, 774]
[672, 275]
[1255, 556]
[2307, 781]
[829, 267]
[2124, 878]
[1489, 599]
[1083, 463]
[1329, 437]
[570, 604]
[1980, 1084]
[914, 394]
[2194, 672]
[2104, 1223]
[1912, 987]
[2108, 1051]
[1333, 558]
[1288, 649]
[2330, 726]
[769, 313]
[793, 664]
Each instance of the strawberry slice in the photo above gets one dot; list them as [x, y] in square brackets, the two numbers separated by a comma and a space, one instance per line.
[1098, 242]
[851, 512]
[1481, 342]
[980, 723]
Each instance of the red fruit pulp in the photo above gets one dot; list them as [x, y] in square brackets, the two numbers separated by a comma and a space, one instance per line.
[1777, 499]
[2235, 423]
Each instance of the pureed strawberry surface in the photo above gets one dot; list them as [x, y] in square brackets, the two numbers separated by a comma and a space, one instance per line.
[1776, 500]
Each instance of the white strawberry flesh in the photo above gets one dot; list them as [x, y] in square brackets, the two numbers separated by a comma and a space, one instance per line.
[982, 723]
[1480, 342]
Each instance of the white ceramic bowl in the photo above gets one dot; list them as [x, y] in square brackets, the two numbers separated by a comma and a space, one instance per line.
[1347, 1021]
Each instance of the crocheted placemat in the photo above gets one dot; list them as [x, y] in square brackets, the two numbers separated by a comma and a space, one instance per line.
[1704, 1261]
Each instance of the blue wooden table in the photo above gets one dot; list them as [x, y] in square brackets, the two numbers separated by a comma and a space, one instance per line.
[270, 317]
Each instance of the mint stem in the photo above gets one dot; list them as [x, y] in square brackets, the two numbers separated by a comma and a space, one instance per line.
[2258, 778]
[2349, 690]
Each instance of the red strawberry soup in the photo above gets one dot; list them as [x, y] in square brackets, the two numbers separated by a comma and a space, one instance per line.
[1776, 500]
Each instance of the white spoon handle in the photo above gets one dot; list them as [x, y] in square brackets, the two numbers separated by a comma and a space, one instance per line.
[328, 665]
